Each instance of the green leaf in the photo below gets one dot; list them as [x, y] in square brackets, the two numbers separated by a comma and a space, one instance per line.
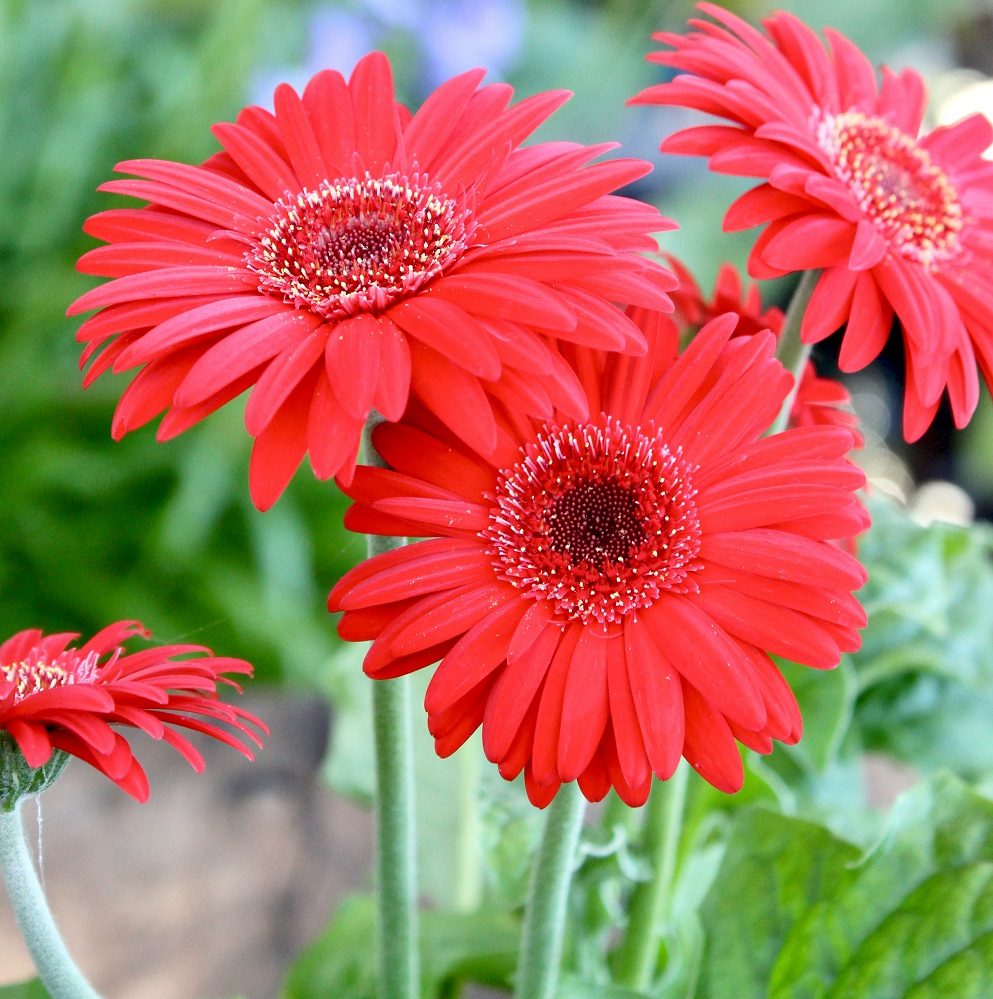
[457, 947]
[774, 869]
[916, 914]
[927, 598]
[510, 829]
[684, 938]
[795, 914]
[32, 989]
[827, 701]
[478, 947]
[925, 669]
[340, 961]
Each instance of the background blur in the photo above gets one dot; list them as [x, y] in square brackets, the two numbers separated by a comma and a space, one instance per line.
[91, 530]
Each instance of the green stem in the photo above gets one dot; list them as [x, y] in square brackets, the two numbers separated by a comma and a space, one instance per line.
[792, 351]
[545, 914]
[56, 969]
[468, 883]
[397, 971]
[637, 957]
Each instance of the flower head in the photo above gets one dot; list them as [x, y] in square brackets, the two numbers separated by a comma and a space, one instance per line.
[603, 593]
[899, 223]
[57, 697]
[818, 401]
[340, 253]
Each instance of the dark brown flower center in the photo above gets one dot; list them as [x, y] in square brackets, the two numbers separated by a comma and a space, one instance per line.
[596, 522]
[906, 195]
[598, 518]
[359, 244]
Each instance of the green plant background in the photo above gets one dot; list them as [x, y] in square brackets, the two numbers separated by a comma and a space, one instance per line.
[92, 531]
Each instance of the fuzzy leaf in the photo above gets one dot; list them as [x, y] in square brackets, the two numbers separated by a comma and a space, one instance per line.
[775, 868]
[918, 910]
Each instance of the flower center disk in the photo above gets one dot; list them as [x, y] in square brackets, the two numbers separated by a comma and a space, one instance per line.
[359, 244]
[905, 194]
[35, 674]
[598, 518]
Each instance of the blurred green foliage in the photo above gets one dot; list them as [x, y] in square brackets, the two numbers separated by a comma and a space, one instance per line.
[92, 531]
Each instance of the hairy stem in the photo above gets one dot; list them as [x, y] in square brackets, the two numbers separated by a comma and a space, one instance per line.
[397, 963]
[545, 914]
[636, 959]
[56, 968]
[792, 351]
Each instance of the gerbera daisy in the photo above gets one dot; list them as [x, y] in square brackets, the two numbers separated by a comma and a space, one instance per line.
[818, 401]
[340, 252]
[603, 594]
[900, 224]
[56, 697]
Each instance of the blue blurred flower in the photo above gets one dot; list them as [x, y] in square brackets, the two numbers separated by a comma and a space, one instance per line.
[463, 34]
[446, 37]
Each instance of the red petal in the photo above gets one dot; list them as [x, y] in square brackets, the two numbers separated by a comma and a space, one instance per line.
[514, 693]
[829, 306]
[503, 296]
[352, 361]
[710, 747]
[377, 126]
[329, 108]
[299, 139]
[544, 757]
[703, 654]
[809, 242]
[585, 705]
[165, 283]
[200, 322]
[280, 446]
[869, 325]
[454, 396]
[476, 655]
[261, 163]
[451, 331]
[281, 378]
[629, 745]
[768, 552]
[869, 247]
[658, 699]
[437, 117]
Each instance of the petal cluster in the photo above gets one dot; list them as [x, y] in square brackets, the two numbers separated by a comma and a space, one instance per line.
[818, 401]
[56, 696]
[602, 596]
[341, 253]
[899, 223]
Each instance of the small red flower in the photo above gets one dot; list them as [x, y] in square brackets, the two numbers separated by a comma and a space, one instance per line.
[901, 224]
[819, 401]
[53, 696]
[341, 252]
[603, 594]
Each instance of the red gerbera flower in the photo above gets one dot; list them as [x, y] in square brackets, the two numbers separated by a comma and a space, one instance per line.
[900, 224]
[603, 594]
[55, 697]
[693, 310]
[340, 252]
[819, 401]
